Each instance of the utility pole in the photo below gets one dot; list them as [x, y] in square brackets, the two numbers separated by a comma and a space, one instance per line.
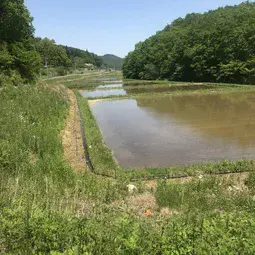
[46, 66]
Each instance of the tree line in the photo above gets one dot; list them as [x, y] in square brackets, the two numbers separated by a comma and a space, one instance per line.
[217, 46]
[23, 56]
[58, 55]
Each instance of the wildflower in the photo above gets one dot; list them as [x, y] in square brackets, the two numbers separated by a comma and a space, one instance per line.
[147, 213]
[200, 177]
[230, 188]
[131, 188]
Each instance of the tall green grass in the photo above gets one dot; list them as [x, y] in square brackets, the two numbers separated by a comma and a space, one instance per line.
[101, 157]
[47, 208]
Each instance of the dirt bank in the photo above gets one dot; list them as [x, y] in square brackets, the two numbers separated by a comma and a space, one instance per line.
[71, 137]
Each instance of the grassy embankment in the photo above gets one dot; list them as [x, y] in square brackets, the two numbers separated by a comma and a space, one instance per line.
[102, 159]
[104, 163]
[48, 208]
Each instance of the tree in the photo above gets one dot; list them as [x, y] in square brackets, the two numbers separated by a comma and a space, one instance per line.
[19, 61]
[52, 54]
[218, 46]
[15, 21]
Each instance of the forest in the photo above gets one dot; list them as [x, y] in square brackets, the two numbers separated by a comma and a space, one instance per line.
[217, 46]
[23, 56]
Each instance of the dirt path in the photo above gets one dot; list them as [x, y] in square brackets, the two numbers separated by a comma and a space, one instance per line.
[71, 136]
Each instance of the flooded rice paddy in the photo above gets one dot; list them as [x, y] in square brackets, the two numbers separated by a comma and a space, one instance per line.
[110, 86]
[98, 92]
[104, 93]
[178, 129]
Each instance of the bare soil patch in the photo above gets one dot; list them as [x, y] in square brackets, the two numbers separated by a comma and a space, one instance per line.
[71, 136]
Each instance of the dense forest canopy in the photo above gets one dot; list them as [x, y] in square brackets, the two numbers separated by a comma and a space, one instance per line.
[19, 61]
[82, 57]
[217, 46]
[51, 54]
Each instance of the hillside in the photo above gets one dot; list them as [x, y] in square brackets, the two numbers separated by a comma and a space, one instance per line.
[112, 61]
[217, 46]
[83, 57]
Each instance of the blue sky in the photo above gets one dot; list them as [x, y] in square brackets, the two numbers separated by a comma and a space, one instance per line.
[110, 26]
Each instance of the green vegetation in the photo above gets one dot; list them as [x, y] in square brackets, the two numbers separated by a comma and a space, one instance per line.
[217, 46]
[81, 58]
[102, 158]
[40, 193]
[133, 92]
[100, 155]
[92, 79]
[51, 54]
[19, 61]
[23, 57]
[58, 60]
[113, 61]
[46, 207]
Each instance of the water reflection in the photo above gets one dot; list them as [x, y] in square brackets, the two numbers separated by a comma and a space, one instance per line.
[107, 79]
[110, 86]
[133, 91]
[104, 93]
[179, 130]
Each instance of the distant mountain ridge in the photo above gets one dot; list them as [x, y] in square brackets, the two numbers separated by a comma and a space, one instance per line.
[112, 61]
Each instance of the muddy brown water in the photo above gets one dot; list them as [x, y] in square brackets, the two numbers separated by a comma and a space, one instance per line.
[132, 91]
[179, 129]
